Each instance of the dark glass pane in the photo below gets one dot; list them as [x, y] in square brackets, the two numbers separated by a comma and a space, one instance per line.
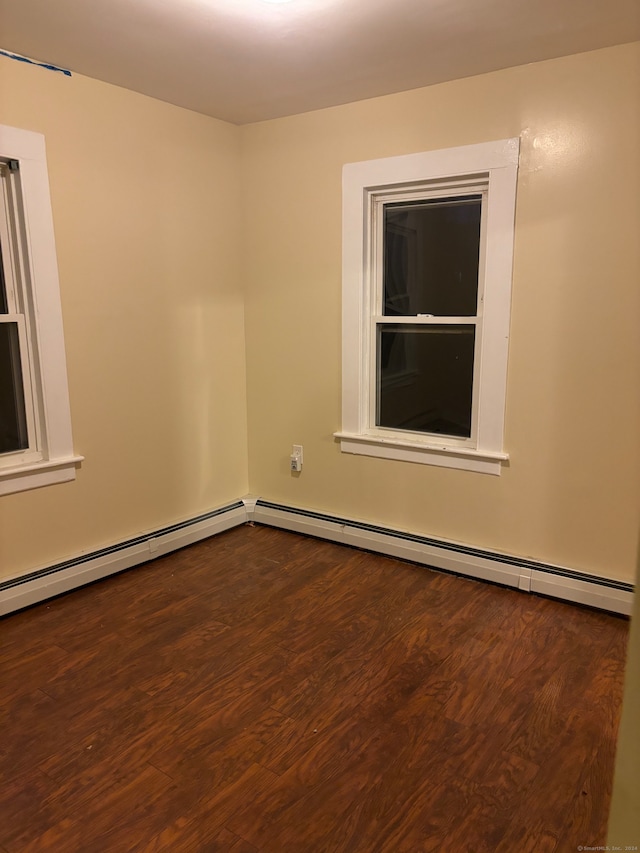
[431, 253]
[13, 429]
[425, 378]
[3, 292]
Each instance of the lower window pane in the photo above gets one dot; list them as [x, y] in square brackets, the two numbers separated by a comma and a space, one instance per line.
[13, 421]
[425, 378]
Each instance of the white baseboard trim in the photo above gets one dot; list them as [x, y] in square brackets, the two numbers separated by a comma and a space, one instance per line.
[47, 582]
[525, 575]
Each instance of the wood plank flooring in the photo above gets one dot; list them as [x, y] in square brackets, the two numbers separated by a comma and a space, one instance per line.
[264, 691]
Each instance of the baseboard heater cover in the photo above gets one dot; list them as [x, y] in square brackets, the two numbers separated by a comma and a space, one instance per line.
[526, 575]
[523, 574]
[47, 582]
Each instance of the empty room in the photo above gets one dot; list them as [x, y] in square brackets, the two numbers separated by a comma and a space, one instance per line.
[319, 417]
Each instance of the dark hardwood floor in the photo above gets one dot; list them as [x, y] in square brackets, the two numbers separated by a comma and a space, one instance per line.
[263, 691]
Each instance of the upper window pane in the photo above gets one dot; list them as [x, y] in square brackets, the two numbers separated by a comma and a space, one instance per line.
[431, 257]
[3, 290]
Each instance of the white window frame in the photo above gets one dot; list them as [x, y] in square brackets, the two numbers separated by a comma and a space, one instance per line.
[365, 186]
[32, 270]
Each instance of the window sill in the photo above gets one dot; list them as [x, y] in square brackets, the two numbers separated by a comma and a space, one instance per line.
[479, 461]
[20, 478]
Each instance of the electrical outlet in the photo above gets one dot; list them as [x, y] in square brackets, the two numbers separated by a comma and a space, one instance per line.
[296, 458]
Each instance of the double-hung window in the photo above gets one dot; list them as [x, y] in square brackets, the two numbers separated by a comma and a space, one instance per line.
[427, 258]
[35, 430]
[19, 429]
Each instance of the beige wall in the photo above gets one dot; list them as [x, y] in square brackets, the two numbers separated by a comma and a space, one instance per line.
[155, 244]
[571, 494]
[146, 215]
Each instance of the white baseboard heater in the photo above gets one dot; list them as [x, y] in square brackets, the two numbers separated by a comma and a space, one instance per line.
[53, 580]
[525, 575]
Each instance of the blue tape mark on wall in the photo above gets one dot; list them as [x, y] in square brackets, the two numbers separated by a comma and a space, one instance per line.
[33, 62]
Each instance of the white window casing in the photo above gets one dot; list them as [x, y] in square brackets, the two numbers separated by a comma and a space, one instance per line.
[489, 168]
[31, 273]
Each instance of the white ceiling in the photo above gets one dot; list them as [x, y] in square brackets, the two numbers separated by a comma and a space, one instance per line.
[249, 60]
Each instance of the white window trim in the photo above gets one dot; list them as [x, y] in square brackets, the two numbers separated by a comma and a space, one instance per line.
[58, 462]
[497, 162]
